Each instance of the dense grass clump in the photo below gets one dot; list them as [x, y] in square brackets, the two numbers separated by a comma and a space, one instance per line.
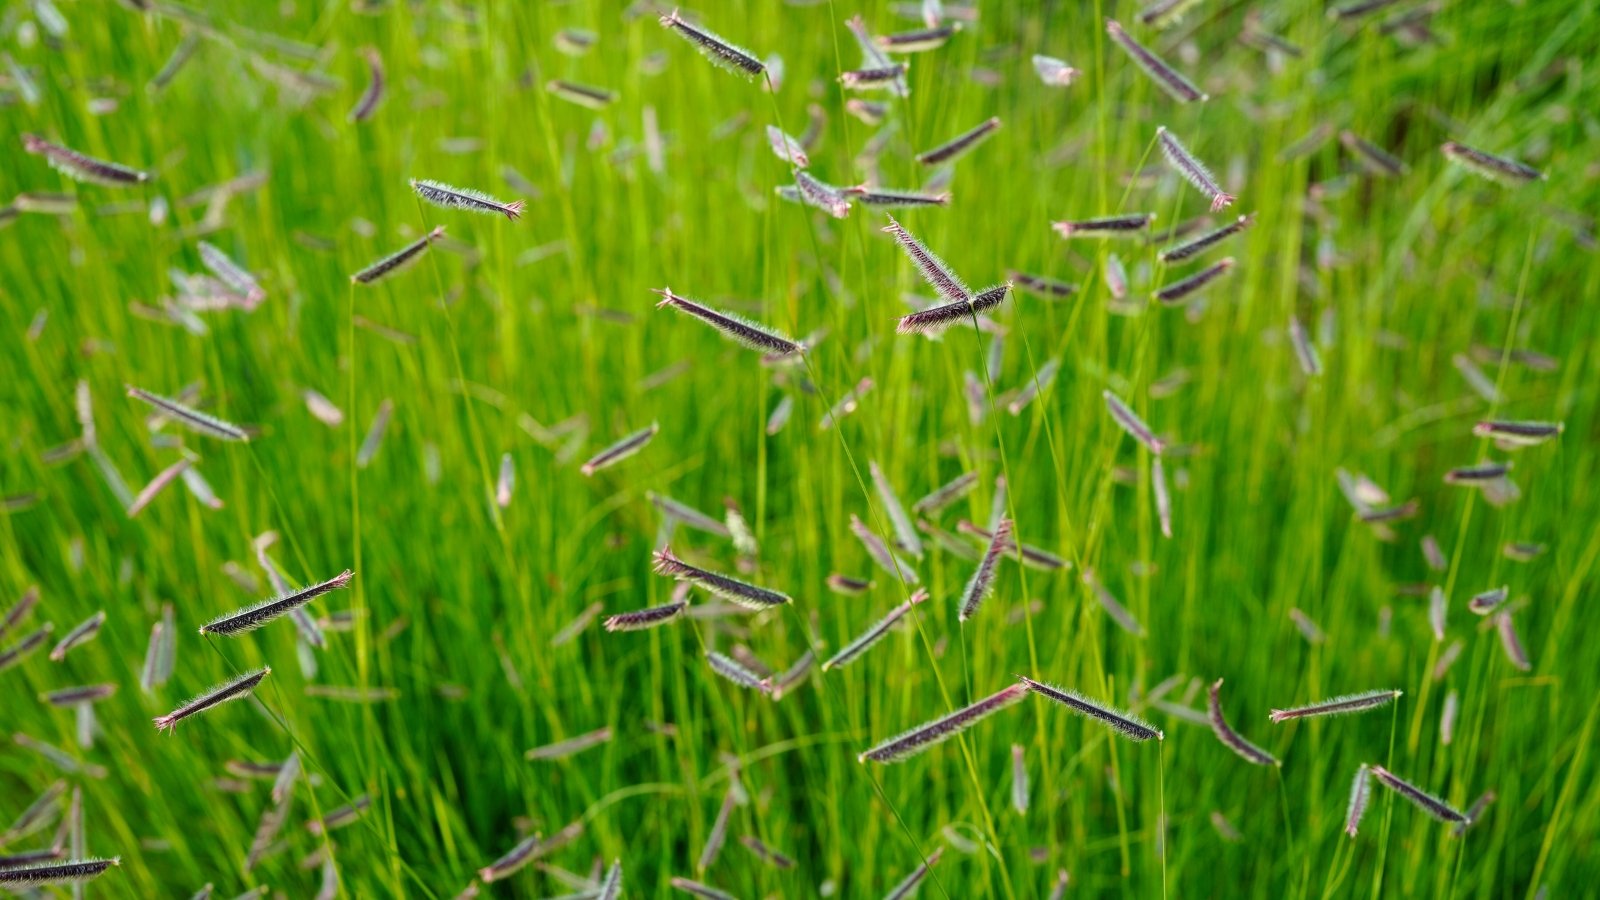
[1289, 444]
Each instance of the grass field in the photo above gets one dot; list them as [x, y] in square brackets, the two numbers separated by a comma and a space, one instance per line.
[471, 631]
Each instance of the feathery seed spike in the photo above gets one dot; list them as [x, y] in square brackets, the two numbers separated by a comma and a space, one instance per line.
[1347, 703]
[1192, 169]
[81, 167]
[1176, 86]
[465, 198]
[1123, 723]
[621, 450]
[739, 330]
[1183, 289]
[252, 617]
[223, 693]
[1419, 798]
[1232, 739]
[733, 590]
[1360, 792]
[1195, 246]
[193, 418]
[721, 53]
[924, 736]
[869, 638]
[961, 144]
[1105, 226]
[397, 260]
[1130, 422]
[982, 580]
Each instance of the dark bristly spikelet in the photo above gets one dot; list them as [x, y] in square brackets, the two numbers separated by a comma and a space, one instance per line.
[1348, 703]
[943, 728]
[736, 672]
[1192, 169]
[1165, 13]
[31, 857]
[1195, 246]
[340, 817]
[1132, 424]
[76, 870]
[232, 690]
[373, 95]
[1419, 798]
[982, 580]
[465, 198]
[889, 77]
[881, 198]
[1305, 351]
[72, 696]
[236, 277]
[252, 617]
[25, 646]
[1031, 556]
[191, 417]
[946, 494]
[79, 167]
[30, 599]
[38, 814]
[1163, 499]
[705, 891]
[949, 287]
[1234, 740]
[792, 677]
[714, 48]
[572, 745]
[683, 513]
[1360, 9]
[1474, 812]
[1054, 72]
[869, 638]
[719, 827]
[1511, 642]
[766, 854]
[1019, 780]
[1509, 434]
[1104, 226]
[739, 330]
[918, 41]
[621, 450]
[1478, 474]
[961, 144]
[823, 196]
[1183, 289]
[1373, 158]
[158, 484]
[1040, 285]
[1490, 166]
[611, 885]
[514, 859]
[908, 885]
[787, 148]
[937, 318]
[905, 534]
[880, 552]
[397, 260]
[733, 590]
[1177, 86]
[1360, 792]
[844, 584]
[1123, 723]
[649, 617]
[584, 95]
[83, 634]
[1488, 601]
